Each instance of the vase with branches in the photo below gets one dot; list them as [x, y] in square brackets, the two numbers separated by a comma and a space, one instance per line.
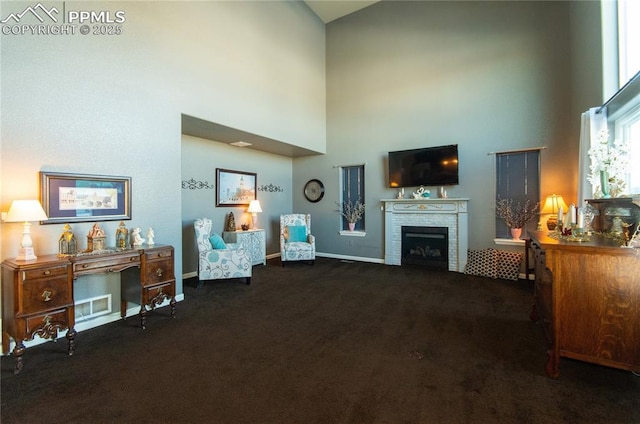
[516, 215]
[351, 211]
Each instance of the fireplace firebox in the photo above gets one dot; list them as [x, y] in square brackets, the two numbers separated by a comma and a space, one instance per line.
[425, 246]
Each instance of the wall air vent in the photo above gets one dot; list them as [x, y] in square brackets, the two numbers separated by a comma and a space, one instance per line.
[92, 307]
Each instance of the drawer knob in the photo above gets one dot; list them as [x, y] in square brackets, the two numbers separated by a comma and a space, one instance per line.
[46, 295]
[159, 272]
[47, 272]
[133, 258]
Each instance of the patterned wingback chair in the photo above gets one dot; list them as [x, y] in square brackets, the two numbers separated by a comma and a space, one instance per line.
[296, 241]
[214, 264]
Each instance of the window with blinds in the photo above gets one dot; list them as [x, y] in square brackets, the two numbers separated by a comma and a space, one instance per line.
[517, 178]
[353, 190]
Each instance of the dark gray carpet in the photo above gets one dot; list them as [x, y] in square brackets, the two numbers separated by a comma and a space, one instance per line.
[332, 343]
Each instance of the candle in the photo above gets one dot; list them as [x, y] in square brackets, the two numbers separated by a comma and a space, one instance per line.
[560, 214]
[580, 218]
[566, 225]
[572, 214]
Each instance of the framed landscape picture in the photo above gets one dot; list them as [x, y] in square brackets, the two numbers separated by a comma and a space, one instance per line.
[80, 197]
[235, 188]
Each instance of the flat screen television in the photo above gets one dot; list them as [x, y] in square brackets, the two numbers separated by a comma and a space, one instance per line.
[429, 166]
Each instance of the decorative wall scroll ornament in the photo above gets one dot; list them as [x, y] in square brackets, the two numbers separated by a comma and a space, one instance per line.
[197, 185]
[271, 188]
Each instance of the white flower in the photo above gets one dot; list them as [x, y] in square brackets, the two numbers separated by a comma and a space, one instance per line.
[614, 159]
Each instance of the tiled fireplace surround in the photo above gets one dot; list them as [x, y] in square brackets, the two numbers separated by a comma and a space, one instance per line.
[450, 213]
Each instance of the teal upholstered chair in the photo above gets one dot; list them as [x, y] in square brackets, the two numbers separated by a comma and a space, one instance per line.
[222, 261]
[296, 241]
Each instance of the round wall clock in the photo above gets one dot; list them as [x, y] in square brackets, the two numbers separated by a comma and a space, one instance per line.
[314, 190]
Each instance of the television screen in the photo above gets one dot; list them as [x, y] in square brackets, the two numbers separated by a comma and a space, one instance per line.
[430, 166]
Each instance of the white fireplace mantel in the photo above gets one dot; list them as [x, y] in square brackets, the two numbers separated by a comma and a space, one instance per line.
[449, 212]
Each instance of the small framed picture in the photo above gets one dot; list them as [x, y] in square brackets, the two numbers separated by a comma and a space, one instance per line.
[80, 197]
[235, 188]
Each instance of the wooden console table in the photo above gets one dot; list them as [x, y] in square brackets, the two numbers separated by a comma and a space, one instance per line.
[587, 299]
[37, 295]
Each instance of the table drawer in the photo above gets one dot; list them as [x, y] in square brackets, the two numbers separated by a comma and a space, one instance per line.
[158, 271]
[31, 274]
[46, 293]
[159, 290]
[106, 265]
[56, 319]
[158, 254]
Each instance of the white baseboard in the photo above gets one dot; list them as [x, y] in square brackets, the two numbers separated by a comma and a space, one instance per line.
[351, 258]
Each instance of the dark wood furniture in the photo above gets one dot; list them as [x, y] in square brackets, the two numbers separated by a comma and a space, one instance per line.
[627, 208]
[37, 299]
[37, 295]
[152, 285]
[587, 300]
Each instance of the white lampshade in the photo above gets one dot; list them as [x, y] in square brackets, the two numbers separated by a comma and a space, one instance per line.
[254, 207]
[26, 211]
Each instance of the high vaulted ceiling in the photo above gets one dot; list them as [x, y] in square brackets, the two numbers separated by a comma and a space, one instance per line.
[329, 10]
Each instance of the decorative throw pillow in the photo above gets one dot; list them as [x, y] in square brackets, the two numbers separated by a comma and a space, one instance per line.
[297, 233]
[509, 265]
[481, 262]
[217, 242]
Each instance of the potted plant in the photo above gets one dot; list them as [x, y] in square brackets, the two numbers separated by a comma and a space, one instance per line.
[516, 216]
[352, 212]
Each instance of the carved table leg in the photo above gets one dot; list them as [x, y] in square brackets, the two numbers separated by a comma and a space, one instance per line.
[18, 351]
[533, 316]
[143, 317]
[71, 337]
[172, 303]
[552, 367]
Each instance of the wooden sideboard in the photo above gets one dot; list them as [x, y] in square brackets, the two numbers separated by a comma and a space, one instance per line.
[37, 295]
[587, 299]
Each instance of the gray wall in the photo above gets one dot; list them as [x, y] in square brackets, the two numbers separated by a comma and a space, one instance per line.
[200, 158]
[112, 104]
[489, 76]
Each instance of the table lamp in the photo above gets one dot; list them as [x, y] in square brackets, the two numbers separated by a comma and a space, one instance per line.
[254, 208]
[551, 206]
[26, 211]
